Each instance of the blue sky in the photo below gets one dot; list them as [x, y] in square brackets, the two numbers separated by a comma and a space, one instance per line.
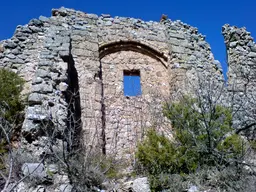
[207, 15]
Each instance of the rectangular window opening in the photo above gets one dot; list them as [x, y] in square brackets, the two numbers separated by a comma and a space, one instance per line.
[132, 86]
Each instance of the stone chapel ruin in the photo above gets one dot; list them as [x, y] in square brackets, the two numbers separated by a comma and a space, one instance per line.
[76, 66]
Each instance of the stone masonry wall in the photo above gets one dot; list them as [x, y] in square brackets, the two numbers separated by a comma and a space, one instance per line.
[128, 117]
[241, 55]
[53, 53]
[80, 57]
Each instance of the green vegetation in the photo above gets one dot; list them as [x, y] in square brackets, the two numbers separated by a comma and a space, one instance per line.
[10, 101]
[203, 138]
[11, 106]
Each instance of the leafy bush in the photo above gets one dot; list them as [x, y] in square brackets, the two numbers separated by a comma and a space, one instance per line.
[10, 102]
[10, 108]
[204, 131]
[203, 137]
[157, 154]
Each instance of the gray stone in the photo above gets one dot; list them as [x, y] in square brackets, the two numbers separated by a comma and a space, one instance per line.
[233, 44]
[35, 98]
[192, 58]
[36, 22]
[16, 51]
[10, 44]
[64, 53]
[24, 31]
[45, 63]
[35, 29]
[141, 185]
[39, 189]
[42, 88]
[37, 80]
[44, 19]
[30, 127]
[117, 21]
[65, 188]
[36, 113]
[11, 56]
[53, 168]
[47, 56]
[195, 37]
[106, 15]
[252, 54]
[108, 23]
[21, 187]
[35, 170]
[92, 16]
[18, 61]
[22, 38]
[78, 27]
[253, 48]
[42, 73]
[193, 188]
[63, 86]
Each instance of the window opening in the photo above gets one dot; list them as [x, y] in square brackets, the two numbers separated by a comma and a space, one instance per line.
[132, 86]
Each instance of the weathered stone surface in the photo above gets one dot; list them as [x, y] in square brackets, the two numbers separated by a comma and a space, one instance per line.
[141, 185]
[242, 60]
[35, 170]
[35, 98]
[1, 49]
[193, 189]
[42, 88]
[63, 86]
[10, 44]
[65, 188]
[252, 54]
[84, 57]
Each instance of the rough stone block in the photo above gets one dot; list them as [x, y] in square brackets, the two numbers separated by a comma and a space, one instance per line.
[35, 98]
[35, 170]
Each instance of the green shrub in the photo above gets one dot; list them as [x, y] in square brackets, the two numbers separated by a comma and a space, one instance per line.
[232, 145]
[202, 138]
[10, 101]
[11, 86]
[201, 129]
[156, 153]
[10, 108]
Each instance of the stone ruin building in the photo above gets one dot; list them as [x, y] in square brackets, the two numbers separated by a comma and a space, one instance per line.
[76, 66]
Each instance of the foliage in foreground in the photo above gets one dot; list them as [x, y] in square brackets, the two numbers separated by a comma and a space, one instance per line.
[11, 106]
[10, 101]
[203, 137]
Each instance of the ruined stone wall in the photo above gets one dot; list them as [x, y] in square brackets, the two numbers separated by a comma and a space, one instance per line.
[73, 63]
[241, 56]
[128, 117]
[21, 52]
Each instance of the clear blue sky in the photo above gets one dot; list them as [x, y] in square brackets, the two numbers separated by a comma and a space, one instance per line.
[207, 15]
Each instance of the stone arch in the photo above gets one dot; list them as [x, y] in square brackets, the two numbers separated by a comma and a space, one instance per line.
[126, 118]
[136, 46]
